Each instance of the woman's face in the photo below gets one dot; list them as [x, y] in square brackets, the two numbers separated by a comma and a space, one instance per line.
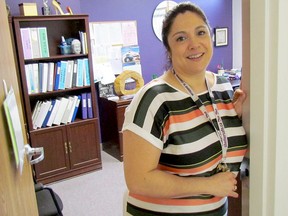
[190, 44]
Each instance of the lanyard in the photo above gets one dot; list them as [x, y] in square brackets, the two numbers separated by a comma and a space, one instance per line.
[221, 129]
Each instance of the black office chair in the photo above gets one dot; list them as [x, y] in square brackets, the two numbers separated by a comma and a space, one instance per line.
[49, 203]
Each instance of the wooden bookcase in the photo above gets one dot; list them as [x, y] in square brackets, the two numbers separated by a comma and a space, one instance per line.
[70, 149]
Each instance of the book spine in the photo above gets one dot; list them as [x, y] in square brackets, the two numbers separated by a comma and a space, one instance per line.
[79, 81]
[57, 76]
[76, 108]
[87, 72]
[35, 42]
[62, 77]
[35, 68]
[84, 105]
[43, 40]
[48, 114]
[89, 105]
[74, 77]
[51, 71]
[26, 43]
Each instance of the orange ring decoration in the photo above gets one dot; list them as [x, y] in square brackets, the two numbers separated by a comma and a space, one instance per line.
[119, 83]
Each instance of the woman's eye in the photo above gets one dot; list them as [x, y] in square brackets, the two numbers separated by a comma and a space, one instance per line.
[181, 38]
[201, 32]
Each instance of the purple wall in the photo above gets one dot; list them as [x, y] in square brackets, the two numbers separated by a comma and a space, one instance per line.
[14, 8]
[153, 60]
[152, 53]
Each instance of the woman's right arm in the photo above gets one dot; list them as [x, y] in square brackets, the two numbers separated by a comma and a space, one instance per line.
[144, 178]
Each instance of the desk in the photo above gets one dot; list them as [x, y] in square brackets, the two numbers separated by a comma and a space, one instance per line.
[111, 121]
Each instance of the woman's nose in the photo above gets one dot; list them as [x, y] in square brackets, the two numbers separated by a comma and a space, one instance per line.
[193, 43]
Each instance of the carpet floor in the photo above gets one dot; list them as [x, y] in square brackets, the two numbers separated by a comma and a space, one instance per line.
[98, 193]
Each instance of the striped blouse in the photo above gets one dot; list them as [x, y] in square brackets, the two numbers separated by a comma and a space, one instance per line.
[170, 120]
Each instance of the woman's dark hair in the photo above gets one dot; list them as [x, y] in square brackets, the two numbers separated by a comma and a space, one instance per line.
[171, 15]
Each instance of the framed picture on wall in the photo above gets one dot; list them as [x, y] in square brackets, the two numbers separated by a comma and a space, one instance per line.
[221, 36]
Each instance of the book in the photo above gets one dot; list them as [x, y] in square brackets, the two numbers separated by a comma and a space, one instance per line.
[29, 78]
[26, 43]
[35, 70]
[84, 105]
[43, 42]
[53, 112]
[36, 111]
[62, 76]
[48, 113]
[57, 76]
[42, 114]
[51, 71]
[61, 110]
[67, 111]
[69, 74]
[82, 40]
[80, 65]
[74, 77]
[76, 108]
[86, 72]
[85, 42]
[44, 80]
[35, 42]
[74, 101]
[89, 105]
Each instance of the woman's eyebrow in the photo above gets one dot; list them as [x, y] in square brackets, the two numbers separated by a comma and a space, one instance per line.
[184, 32]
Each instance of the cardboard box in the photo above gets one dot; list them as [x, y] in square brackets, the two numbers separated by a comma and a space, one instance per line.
[28, 9]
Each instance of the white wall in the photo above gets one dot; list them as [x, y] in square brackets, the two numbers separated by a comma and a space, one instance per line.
[268, 108]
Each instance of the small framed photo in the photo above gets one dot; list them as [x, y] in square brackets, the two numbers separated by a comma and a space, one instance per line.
[221, 36]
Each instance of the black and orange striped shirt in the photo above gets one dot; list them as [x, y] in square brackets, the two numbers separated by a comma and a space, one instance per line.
[170, 120]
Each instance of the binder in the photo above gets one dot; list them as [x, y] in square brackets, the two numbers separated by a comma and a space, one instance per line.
[69, 74]
[89, 105]
[74, 101]
[44, 84]
[51, 69]
[35, 67]
[87, 72]
[57, 76]
[76, 108]
[61, 111]
[35, 42]
[42, 114]
[26, 43]
[29, 78]
[67, 111]
[48, 113]
[79, 81]
[53, 112]
[43, 41]
[84, 105]
[62, 76]
[74, 77]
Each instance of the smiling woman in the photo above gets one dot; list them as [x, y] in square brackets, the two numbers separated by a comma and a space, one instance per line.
[183, 141]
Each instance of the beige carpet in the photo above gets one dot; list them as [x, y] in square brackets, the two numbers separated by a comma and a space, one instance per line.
[98, 193]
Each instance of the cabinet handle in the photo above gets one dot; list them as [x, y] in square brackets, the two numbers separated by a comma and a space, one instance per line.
[66, 148]
[70, 147]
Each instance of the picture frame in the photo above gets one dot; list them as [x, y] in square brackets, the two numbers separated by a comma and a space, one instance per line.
[221, 36]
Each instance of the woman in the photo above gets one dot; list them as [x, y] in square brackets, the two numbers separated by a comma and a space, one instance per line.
[183, 139]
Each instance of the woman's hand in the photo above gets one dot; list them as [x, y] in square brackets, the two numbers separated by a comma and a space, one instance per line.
[224, 184]
[238, 100]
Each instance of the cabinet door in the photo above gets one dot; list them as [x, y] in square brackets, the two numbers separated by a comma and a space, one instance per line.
[83, 143]
[56, 155]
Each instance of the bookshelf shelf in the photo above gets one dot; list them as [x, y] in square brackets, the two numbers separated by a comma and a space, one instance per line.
[72, 144]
